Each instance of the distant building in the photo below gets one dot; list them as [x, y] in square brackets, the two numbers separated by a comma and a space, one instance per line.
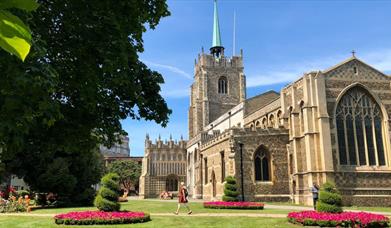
[108, 160]
[163, 167]
[117, 150]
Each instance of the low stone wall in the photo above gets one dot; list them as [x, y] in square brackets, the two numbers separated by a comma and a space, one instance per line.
[371, 201]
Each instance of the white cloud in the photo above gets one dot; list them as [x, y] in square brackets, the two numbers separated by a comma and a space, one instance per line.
[381, 60]
[170, 68]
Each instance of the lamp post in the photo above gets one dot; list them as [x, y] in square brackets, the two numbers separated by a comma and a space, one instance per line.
[241, 168]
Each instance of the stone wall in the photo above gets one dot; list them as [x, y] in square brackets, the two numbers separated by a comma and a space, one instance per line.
[360, 185]
[227, 142]
[206, 103]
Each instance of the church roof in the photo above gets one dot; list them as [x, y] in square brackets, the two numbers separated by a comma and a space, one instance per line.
[255, 103]
[216, 28]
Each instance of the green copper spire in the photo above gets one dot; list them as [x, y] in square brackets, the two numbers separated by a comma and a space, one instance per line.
[217, 48]
[216, 28]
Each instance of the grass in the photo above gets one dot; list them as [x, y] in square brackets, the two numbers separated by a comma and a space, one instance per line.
[154, 206]
[376, 209]
[47, 222]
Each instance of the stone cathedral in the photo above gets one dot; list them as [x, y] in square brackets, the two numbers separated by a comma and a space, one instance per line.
[328, 125]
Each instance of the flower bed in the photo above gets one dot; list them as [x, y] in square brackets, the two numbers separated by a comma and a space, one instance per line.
[233, 205]
[344, 219]
[101, 217]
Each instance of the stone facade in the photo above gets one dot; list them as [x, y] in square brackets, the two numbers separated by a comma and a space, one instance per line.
[332, 125]
[222, 155]
[163, 167]
[298, 128]
[207, 102]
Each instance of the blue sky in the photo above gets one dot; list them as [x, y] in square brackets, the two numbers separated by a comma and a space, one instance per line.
[281, 40]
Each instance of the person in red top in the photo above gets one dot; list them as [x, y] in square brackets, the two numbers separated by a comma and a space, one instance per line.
[182, 198]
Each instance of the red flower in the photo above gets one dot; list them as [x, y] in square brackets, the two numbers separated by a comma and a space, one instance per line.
[90, 215]
[361, 219]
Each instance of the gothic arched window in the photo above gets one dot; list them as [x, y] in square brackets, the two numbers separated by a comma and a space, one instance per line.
[223, 85]
[359, 129]
[172, 183]
[262, 164]
[271, 120]
[279, 118]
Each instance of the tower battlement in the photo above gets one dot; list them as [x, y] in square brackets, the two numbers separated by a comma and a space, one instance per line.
[167, 144]
[208, 60]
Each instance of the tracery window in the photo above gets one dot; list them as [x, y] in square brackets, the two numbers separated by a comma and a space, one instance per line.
[261, 164]
[223, 85]
[359, 129]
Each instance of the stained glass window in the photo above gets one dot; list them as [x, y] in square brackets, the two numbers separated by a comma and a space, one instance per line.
[261, 165]
[359, 129]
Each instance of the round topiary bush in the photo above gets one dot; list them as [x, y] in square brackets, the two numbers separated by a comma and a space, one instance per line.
[330, 199]
[107, 198]
[230, 190]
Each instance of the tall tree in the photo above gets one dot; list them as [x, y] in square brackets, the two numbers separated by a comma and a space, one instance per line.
[82, 76]
[128, 171]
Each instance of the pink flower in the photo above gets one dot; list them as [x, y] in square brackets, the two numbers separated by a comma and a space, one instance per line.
[91, 215]
[361, 219]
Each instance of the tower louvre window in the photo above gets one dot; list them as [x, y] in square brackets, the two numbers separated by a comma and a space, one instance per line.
[223, 85]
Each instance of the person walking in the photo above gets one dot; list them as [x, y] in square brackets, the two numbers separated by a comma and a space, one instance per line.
[315, 194]
[182, 198]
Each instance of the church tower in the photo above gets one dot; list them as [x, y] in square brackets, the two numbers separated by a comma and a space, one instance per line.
[219, 83]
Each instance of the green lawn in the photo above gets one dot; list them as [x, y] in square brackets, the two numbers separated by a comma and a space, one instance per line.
[377, 209]
[188, 221]
[153, 206]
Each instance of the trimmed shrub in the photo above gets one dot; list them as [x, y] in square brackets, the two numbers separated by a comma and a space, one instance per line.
[107, 198]
[330, 199]
[230, 190]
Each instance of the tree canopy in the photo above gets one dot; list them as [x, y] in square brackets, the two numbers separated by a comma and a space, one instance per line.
[82, 77]
[129, 172]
